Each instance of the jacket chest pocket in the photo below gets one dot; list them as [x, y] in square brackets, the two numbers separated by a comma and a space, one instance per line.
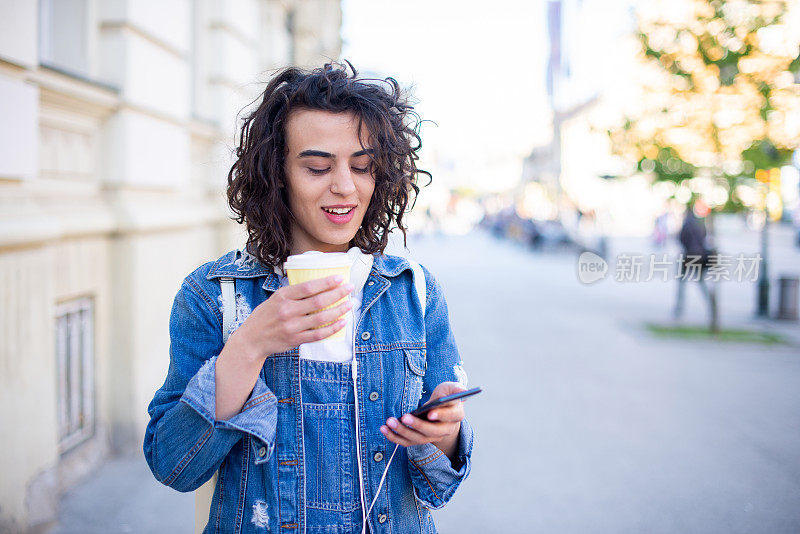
[414, 377]
[331, 469]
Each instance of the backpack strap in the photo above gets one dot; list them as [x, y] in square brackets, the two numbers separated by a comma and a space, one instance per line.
[419, 283]
[228, 306]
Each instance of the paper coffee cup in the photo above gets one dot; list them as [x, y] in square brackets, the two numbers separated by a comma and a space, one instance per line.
[314, 264]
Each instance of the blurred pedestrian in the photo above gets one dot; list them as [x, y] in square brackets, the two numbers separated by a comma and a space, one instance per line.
[696, 258]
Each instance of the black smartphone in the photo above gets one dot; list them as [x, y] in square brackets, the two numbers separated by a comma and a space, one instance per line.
[423, 410]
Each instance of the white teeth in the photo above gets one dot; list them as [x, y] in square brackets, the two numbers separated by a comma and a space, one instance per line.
[338, 211]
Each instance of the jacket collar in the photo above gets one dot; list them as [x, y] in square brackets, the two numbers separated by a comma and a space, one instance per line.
[239, 263]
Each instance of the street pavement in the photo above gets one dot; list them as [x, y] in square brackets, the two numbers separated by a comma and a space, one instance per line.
[587, 423]
[590, 425]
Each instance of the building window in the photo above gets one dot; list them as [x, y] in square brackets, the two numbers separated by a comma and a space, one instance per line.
[64, 35]
[75, 367]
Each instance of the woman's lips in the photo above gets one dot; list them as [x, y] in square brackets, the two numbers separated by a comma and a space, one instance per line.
[340, 219]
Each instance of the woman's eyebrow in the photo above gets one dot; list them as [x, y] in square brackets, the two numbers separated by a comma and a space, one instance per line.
[321, 154]
[315, 153]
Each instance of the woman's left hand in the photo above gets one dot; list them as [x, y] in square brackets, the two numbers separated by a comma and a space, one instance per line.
[441, 428]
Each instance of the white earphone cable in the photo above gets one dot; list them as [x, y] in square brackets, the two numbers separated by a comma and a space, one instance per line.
[383, 477]
[302, 440]
[354, 369]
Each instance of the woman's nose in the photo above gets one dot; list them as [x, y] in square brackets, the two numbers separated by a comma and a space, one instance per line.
[342, 182]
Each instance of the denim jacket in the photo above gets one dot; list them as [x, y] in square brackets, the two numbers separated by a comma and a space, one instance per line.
[402, 356]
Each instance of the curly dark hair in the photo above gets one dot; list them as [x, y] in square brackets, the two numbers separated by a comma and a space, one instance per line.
[256, 181]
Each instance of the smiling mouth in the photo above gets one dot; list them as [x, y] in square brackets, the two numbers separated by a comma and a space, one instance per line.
[338, 211]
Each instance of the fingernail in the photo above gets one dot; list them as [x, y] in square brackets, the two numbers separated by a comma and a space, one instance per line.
[392, 423]
[407, 419]
[338, 278]
[433, 416]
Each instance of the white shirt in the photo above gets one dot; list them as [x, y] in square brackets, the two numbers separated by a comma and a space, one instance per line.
[340, 349]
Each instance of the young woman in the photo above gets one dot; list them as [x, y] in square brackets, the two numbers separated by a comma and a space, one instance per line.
[306, 434]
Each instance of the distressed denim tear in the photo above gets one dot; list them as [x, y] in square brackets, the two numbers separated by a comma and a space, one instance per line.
[260, 515]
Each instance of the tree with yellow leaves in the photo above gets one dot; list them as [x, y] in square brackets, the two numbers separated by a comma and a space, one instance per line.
[721, 96]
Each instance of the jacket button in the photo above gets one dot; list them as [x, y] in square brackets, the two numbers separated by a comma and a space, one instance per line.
[378, 456]
[262, 452]
[371, 283]
[365, 336]
[374, 396]
[382, 518]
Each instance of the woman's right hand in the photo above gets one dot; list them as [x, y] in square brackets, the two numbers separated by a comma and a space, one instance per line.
[287, 319]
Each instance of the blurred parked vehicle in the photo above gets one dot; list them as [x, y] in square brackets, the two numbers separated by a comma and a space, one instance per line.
[538, 234]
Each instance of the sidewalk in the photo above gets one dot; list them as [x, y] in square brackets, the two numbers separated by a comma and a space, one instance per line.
[737, 300]
[123, 496]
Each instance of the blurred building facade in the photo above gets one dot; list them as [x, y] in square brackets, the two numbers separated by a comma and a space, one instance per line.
[590, 77]
[118, 121]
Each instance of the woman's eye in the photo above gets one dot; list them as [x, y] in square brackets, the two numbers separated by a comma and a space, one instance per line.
[361, 170]
[318, 171]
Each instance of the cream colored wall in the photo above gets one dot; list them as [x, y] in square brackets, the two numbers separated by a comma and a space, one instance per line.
[27, 374]
[114, 188]
[147, 268]
[52, 248]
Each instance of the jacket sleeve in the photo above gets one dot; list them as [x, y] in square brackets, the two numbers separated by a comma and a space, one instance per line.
[184, 443]
[434, 478]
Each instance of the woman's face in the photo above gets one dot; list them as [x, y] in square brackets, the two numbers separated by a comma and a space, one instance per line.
[326, 170]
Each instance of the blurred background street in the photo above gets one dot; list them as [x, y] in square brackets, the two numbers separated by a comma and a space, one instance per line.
[580, 149]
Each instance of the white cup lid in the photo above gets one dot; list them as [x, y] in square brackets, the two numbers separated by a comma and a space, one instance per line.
[314, 259]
